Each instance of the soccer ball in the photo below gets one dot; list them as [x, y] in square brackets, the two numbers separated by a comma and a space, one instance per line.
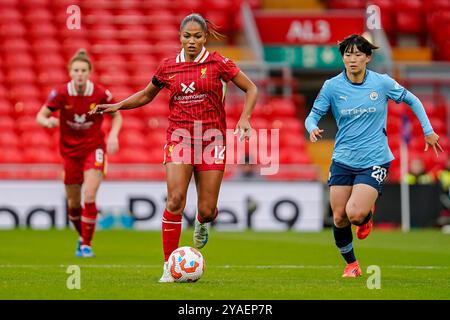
[186, 264]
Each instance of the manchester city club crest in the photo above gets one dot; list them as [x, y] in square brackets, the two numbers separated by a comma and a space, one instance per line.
[373, 95]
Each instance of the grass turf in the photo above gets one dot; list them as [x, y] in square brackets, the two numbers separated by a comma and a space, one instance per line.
[246, 265]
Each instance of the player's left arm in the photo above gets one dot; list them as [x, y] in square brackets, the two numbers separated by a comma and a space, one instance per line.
[251, 95]
[431, 138]
[112, 143]
[399, 94]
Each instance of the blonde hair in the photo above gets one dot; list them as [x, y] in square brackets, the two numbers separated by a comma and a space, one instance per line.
[80, 55]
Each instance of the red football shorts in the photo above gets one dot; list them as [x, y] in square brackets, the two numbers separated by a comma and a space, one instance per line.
[202, 157]
[74, 168]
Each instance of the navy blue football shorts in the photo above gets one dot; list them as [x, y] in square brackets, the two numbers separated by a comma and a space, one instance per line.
[342, 175]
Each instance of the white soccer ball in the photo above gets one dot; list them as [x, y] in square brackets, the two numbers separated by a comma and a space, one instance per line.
[186, 264]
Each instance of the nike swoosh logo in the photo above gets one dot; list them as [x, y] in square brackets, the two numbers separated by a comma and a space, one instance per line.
[169, 229]
[171, 77]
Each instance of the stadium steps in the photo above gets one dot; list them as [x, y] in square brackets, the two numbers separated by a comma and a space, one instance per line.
[320, 154]
[403, 54]
[234, 53]
[293, 4]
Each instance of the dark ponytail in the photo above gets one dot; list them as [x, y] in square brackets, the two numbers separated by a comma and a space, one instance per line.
[207, 26]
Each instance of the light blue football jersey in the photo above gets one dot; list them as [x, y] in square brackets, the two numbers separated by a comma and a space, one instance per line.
[360, 111]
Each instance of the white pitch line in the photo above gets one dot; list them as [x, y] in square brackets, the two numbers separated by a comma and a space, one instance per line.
[152, 266]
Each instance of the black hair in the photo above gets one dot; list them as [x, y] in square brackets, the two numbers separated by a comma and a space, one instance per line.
[356, 41]
[207, 26]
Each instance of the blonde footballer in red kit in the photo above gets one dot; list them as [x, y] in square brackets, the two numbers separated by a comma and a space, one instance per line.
[82, 143]
[196, 79]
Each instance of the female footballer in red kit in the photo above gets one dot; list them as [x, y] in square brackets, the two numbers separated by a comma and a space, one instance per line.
[196, 135]
[82, 143]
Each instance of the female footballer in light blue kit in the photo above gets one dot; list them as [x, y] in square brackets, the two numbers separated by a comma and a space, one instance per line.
[361, 156]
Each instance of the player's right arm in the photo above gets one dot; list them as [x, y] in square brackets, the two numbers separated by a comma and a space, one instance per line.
[136, 100]
[319, 109]
[44, 118]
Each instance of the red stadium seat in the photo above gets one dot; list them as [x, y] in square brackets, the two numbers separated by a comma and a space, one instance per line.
[303, 175]
[3, 93]
[292, 155]
[156, 123]
[41, 155]
[156, 109]
[292, 139]
[133, 31]
[346, 4]
[46, 45]
[27, 107]
[117, 77]
[259, 123]
[120, 92]
[7, 123]
[8, 139]
[21, 76]
[5, 108]
[18, 60]
[134, 155]
[23, 91]
[411, 22]
[38, 15]
[50, 60]
[394, 126]
[11, 155]
[292, 124]
[282, 107]
[133, 139]
[71, 45]
[10, 15]
[112, 62]
[27, 123]
[12, 31]
[156, 139]
[132, 123]
[53, 77]
[36, 139]
[439, 125]
[35, 3]
[394, 141]
[220, 18]
[18, 45]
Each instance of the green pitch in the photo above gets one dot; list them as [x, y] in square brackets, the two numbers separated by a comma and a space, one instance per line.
[248, 265]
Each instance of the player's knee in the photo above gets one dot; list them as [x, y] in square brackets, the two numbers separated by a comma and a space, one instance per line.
[74, 203]
[207, 211]
[175, 202]
[89, 196]
[356, 215]
[340, 220]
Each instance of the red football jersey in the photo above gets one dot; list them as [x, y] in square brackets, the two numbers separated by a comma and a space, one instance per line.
[197, 92]
[80, 133]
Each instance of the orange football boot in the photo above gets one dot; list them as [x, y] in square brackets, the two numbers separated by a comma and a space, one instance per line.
[364, 230]
[352, 270]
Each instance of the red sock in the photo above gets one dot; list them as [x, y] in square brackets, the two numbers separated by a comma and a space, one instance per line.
[75, 216]
[171, 230]
[88, 221]
[203, 220]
